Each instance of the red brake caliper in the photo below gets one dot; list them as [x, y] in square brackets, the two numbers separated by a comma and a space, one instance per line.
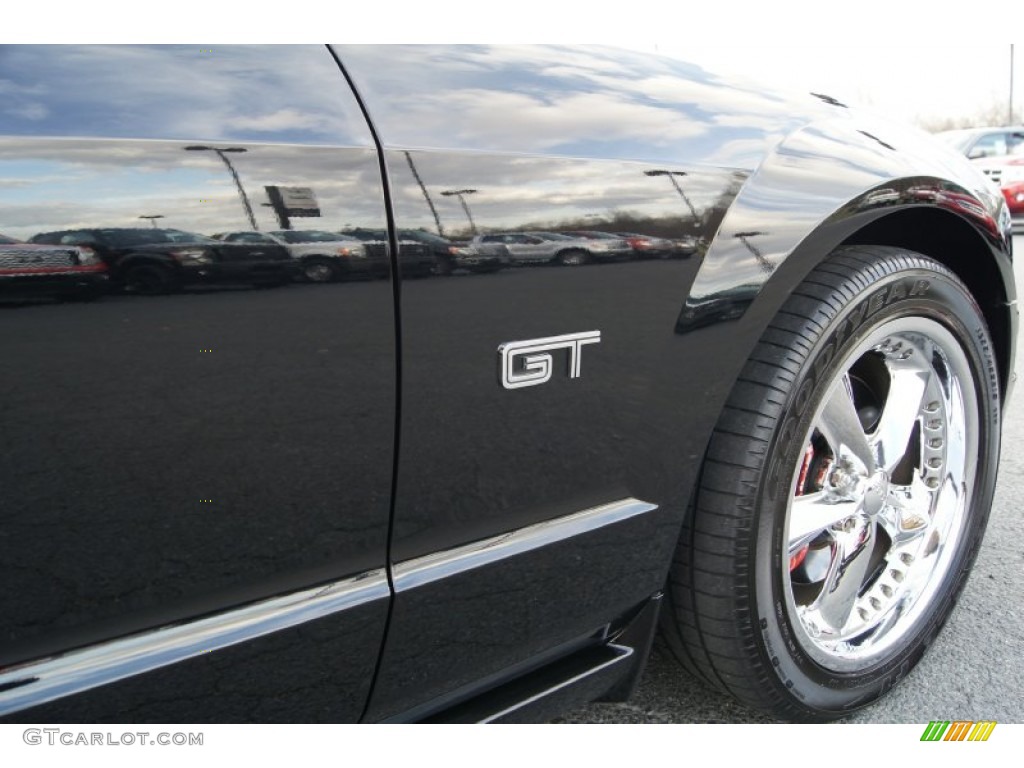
[801, 485]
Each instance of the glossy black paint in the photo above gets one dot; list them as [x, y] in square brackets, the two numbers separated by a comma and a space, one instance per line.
[120, 425]
[293, 676]
[674, 334]
[171, 456]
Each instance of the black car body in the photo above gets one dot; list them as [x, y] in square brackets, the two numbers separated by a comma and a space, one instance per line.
[469, 499]
[150, 260]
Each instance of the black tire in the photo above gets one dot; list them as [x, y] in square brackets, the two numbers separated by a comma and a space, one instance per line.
[320, 270]
[787, 584]
[575, 257]
[443, 266]
[148, 279]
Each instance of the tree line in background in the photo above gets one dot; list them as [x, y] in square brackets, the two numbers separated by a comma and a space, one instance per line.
[995, 114]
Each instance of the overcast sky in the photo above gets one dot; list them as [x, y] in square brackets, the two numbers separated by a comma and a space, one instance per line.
[869, 51]
[903, 81]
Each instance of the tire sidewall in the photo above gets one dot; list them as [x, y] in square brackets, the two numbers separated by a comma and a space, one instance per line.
[324, 264]
[924, 290]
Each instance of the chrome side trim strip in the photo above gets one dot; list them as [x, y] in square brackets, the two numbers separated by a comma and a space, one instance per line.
[439, 565]
[40, 681]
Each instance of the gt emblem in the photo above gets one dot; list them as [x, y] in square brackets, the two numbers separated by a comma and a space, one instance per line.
[536, 358]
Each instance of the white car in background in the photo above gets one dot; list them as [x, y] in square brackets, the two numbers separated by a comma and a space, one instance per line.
[980, 143]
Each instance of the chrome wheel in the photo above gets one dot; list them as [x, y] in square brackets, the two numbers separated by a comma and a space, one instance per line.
[880, 495]
[845, 490]
[319, 271]
[573, 258]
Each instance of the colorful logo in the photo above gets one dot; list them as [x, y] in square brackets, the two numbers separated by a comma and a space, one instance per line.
[958, 730]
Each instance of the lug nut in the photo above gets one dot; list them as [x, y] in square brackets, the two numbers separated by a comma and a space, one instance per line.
[935, 442]
[907, 558]
[932, 482]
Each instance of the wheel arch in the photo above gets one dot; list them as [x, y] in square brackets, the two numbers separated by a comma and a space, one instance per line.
[843, 182]
[130, 260]
[955, 243]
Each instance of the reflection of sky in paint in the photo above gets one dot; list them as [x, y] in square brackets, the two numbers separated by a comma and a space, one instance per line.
[236, 93]
[515, 191]
[53, 184]
[74, 183]
[588, 102]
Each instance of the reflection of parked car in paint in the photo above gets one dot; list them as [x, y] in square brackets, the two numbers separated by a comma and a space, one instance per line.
[71, 272]
[542, 247]
[649, 246]
[603, 244]
[149, 261]
[415, 259]
[645, 246]
[448, 255]
[322, 256]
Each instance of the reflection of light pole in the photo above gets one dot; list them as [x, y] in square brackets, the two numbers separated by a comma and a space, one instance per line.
[672, 177]
[152, 218]
[423, 188]
[766, 266]
[459, 194]
[238, 182]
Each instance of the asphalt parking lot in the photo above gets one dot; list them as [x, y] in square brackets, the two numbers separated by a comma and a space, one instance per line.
[974, 671]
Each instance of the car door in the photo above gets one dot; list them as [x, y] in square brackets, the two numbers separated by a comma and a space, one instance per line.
[551, 414]
[196, 484]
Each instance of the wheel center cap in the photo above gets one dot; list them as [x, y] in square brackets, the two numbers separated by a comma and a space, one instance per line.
[875, 493]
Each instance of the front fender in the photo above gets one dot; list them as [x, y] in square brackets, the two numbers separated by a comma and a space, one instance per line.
[817, 189]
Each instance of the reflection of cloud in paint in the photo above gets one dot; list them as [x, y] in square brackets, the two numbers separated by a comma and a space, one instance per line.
[281, 120]
[236, 93]
[588, 102]
[29, 111]
[506, 117]
[741, 153]
[515, 190]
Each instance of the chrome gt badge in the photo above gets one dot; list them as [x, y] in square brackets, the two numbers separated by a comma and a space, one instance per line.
[528, 363]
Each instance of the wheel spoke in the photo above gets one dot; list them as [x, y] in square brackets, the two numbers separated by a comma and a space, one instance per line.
[900, 414]
[840, 426]
[846, 575]
[881, 492]
[811, 514]
[907, 513]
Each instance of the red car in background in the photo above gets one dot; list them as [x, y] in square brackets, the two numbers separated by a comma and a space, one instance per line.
[1008, 173]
